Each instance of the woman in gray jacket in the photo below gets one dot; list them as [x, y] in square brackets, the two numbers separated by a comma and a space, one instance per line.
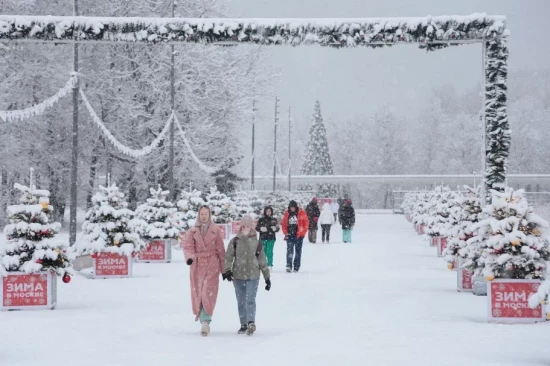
[244, 259]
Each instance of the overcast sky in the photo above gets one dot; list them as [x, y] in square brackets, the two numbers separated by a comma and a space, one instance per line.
[356, 81]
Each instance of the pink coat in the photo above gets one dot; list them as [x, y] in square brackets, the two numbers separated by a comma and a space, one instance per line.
[208, 261]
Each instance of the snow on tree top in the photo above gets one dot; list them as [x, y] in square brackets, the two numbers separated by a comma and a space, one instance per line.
[322, 31]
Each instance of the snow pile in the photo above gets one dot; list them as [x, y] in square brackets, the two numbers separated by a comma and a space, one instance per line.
[223, 208]
[154, 219]
[512, 241]
[108, 225]
[29, 247]
[465, 214]
[188, 209]
[542, 295]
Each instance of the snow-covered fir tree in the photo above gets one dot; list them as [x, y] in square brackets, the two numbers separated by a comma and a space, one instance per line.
[515, 246]
[108, 225]
[29, 247]
[256, 203]
[155, 218]
[241, 201]
[317, 159]
[420, 210]
[188, 209]
[439, 209]
[223, 208]
[463, 216]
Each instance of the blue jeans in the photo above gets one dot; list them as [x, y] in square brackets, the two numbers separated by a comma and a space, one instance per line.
[346, 236]
[292, 244]
[246, 291]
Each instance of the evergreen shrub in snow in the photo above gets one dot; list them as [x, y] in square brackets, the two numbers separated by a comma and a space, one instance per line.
[242, 205]
[29, 247]
[463, 216]
[188, 209]
[155, 218]
[438, 211]
[513, 245]
[108, 226]
[223, 208]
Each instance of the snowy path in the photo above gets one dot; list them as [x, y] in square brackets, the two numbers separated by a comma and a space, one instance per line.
[386, 299]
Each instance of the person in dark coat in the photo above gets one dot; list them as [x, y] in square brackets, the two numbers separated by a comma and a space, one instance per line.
[313, 213]
[268, 226]
[347, 220]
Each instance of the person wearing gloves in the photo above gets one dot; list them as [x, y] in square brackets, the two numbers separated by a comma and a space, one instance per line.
[244, 259]
[313, 213]
[204, 252]
[347, 220]
[267, 227]
[326, 220]
[295, 225]
[335, 207]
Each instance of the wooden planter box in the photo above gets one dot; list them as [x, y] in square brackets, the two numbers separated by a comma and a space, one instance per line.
[507, 302]
[441, 245]
[112, 265]
[464, 278]
[23, 291]
[157, 251]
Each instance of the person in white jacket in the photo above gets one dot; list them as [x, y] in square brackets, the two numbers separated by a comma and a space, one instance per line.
[326, 220]
[335, 209]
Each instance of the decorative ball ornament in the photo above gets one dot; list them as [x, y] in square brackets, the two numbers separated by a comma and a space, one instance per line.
[515, 242]
[66, 278]
[490, 278]
[116, 243]
[45, 205]
[39, 261]
[450, 266]
[536, 232]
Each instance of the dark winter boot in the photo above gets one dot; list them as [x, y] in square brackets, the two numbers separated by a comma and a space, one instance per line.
[251, 328]
[288, 269]
[243, 329]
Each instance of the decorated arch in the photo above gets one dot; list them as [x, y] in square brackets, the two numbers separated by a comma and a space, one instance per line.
[430, 33]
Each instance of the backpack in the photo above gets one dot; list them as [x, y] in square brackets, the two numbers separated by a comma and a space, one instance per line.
[258, 249]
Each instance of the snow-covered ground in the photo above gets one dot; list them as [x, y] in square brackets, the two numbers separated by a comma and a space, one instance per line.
[385, 299]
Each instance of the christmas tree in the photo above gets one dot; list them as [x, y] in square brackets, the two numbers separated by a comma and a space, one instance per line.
[155, 219]
[242, 204]
[223, 208]
[514, 246]
[466, 213]
[256, 203]
[439, 208]
[29, 247]
[317, 159]
[420, 210]
[108, 225]
[188, 209]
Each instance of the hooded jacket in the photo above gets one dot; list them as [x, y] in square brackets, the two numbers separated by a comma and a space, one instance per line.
[347, 216]
[267, 222]
[241, 258]
[313, 213]
[302, 221]
[327, 217]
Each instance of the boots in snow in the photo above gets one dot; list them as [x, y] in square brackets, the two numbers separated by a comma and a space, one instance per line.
[288, 269]
[205, 329]
[251, 328]
[243, 329]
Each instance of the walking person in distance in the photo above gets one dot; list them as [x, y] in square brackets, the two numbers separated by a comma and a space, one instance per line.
[295, 226]
[268, 227]
[313, 213]
[244, 259]
[326, 220]
[335, 207]
[347, 220]
[204, 252]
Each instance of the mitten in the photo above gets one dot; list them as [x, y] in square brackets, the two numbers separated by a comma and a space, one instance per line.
[274, 228]
[190, 261]
[263, 229]
[229, 276]
[268, 284]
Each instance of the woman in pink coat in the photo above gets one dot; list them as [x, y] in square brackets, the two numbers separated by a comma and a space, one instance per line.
[204, 252]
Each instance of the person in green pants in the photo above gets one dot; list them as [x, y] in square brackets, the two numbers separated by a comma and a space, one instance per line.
[268, 226]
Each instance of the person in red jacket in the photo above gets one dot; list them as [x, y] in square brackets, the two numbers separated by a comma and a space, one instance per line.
[295, 225]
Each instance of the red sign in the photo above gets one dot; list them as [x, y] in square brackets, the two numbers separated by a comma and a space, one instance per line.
[433, 241]
[510, 298]
[223, 230]
[111, 264]
[421, 231]
[25, 290]
[466, 279]
[155, 251]
[235, 227]
[443, 244]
